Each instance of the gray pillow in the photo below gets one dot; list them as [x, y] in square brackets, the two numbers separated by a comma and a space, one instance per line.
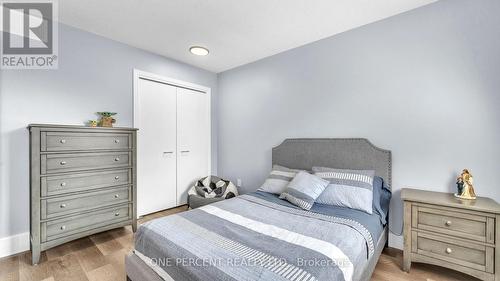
[347, 188]
[278, 179]
[303, 190]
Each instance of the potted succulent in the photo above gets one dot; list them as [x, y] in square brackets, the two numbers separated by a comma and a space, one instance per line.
[107, 119]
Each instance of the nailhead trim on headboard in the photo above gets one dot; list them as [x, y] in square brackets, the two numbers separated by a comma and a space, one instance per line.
[292, 153]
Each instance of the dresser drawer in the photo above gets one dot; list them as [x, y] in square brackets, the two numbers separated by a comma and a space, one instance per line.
[64, 205]
[452, 222]
[467, 254]
[56, 163]
[64, 141]
[58, 228]
[58, 185]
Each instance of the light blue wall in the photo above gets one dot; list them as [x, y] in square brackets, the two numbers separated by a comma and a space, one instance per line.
[94, 74]
[424, 84]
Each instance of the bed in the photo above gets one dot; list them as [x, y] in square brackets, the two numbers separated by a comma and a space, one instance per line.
[258, 236]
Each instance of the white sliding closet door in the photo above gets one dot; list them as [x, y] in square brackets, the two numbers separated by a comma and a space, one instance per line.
[156, 117]
[193, 139]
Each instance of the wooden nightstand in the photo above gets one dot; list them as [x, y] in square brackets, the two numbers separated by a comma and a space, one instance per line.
[463, 235]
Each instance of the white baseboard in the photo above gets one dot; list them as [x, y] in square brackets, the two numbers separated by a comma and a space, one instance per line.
[396, 241]
[14, 244]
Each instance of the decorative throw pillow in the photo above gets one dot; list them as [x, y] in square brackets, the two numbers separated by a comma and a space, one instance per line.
[381, 199]
[347, 188]
[278, 179]
[303, 190]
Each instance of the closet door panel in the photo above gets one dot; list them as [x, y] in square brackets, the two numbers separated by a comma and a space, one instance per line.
[157, 142]
[193, 138]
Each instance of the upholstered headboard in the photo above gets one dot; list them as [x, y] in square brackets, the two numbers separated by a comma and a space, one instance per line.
[339, 153]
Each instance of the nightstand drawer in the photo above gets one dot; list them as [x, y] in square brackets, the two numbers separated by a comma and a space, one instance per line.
[471, 255]
[452, 222]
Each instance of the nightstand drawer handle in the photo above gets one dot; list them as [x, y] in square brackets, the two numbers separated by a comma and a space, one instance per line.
[447, 223]
[63, 141]
[63, 227]
[448, 250]
[117, 196]
[63, 184]
[117, 141]
[63, 163]
[117, 159]
[62, 206]
[117, 177]
[117, 214]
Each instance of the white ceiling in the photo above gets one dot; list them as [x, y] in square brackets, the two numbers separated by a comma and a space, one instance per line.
[236, 31]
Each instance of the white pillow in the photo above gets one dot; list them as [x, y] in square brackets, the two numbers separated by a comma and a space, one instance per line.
[303, 190]
[278, 179]
[347, 188]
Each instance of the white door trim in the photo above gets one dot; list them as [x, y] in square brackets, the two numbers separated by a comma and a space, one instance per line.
[139, 74]
[167, 80]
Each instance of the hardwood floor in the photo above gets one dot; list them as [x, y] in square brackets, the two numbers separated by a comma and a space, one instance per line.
[101, 257]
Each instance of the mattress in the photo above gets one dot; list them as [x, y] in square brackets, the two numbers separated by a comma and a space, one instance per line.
[259, 237]
[371, 222]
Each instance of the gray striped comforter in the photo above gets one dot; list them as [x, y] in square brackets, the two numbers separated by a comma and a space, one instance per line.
[249, 238]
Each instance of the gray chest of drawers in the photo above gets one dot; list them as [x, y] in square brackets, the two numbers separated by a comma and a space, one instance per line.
[82, 181]
[463, 235]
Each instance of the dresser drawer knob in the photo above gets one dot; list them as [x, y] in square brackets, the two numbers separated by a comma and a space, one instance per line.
[117, 214]
[63, 227]
[447, 223]
[117, 159]
[117, 141]
[117, 177]
[63, 184]
[448, 250]
[63, 163]
[62, 206]
[117, 196]
[62, 141]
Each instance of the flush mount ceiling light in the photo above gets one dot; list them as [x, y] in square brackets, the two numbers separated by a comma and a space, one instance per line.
[199, 51]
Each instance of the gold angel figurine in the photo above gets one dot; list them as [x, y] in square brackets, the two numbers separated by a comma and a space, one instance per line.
[465, 185]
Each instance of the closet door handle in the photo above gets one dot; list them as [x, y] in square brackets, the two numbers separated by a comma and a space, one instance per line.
[184, 151]
[168, 152]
